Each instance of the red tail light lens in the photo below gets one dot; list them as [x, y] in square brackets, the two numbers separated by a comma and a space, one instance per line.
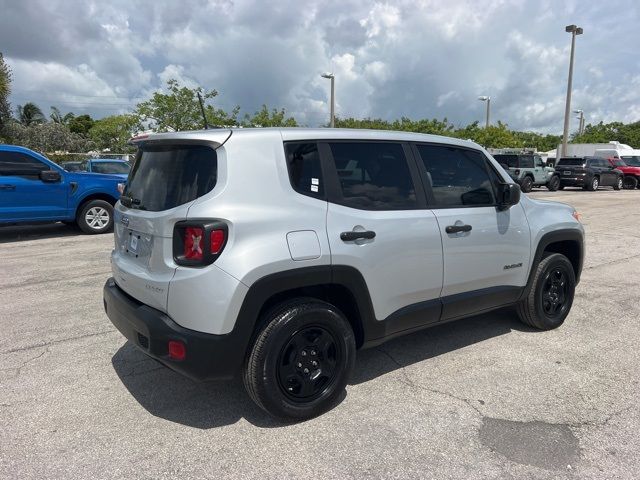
[217, 241]
[193, 243]
[177, 350]
[197, 243]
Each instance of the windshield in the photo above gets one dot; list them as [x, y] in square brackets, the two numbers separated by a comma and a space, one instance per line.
[165, 176]
[618, 162]
[633, 161]
[570, 162]
[110, 167]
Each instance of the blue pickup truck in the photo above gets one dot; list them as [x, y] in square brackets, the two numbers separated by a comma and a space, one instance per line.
[34, 189]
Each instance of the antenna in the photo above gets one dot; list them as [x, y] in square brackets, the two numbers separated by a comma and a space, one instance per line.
[204, 117]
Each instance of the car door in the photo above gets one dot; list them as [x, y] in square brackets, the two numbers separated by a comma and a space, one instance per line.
[607, 172]
[486, 249]
[23, 195]
[539, 174]
[378, 223]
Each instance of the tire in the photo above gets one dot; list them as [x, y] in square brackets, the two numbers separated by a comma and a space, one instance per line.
[554, 183]
[593, 184]
[629, 183]
[618, 184]
[95, 216]
[546, 307]
[526, 184]
[278, 373]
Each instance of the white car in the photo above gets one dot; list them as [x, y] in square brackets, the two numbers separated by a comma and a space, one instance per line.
[277, 253]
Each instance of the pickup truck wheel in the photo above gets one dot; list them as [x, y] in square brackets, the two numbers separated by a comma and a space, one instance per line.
[629, 183]
[551, 296]
[554, 183]
[301, 361]
[526, 184]
[618, 184]
[95, 216]
[594, 184]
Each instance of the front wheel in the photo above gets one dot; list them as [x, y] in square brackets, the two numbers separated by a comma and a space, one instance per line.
[554, 183]
[618, 184]
[301, 361]
[95, 216]
[551, 295]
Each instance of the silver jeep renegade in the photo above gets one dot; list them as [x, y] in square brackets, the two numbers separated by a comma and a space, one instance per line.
[277, 253]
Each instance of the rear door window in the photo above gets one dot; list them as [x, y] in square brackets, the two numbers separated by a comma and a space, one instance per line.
[305, 172]
[165, 176]
[373, 176]
[526, 161]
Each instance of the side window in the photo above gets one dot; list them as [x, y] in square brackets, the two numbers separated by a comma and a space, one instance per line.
[539, 162]
[526, 161]
[374, 176]
[20, 165]
[458, 177]
[305, 173]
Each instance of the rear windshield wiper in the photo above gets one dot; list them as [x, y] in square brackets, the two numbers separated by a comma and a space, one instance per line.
[131, 202]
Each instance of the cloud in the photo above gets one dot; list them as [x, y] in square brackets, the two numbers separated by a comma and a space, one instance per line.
[414, 58]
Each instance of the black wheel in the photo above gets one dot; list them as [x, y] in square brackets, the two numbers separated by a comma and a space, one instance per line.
[594, 184]
[618, 184]
[95, 216]
[551, 296]
[629, 183]
[526, 184]
[554, 183]
[301, 361]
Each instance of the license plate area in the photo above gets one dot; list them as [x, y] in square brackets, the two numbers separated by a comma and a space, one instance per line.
[136, 244]
[566, 172]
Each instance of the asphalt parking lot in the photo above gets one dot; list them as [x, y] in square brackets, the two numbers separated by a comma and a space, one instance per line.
[481, 398]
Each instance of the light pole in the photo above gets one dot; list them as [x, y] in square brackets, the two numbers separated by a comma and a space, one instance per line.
[581, 123]
[332, 77]
[487, 99]
[573, 30]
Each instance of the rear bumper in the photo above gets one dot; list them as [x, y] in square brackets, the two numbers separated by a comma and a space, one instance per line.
[208, 356]
[577, 181]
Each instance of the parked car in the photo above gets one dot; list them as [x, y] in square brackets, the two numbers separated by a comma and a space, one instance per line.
[105, 165]
[529, 170]
[35, 189]
[630, 169]
[590, 173]
[276, 253]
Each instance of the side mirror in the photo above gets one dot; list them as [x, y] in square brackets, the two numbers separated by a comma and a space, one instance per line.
[508, 195]
[50, 176]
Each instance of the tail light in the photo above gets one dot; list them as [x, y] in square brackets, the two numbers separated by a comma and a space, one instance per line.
[197, 243]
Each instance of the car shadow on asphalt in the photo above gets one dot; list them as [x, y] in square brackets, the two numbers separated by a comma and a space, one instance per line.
[20, 233]
[173, 397]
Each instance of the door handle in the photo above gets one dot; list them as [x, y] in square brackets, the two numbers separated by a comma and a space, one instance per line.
[351, 236]
[7, 187]
[457, 228]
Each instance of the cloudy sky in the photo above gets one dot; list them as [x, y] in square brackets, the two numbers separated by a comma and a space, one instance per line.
[418, 58]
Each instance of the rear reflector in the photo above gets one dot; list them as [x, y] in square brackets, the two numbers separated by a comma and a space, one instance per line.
[177, 350]
[217, 241]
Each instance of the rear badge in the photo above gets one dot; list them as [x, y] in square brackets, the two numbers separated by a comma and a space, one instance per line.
[513, 265]
[125, 221]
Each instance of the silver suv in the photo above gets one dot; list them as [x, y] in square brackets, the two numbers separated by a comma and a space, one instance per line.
[277, 253]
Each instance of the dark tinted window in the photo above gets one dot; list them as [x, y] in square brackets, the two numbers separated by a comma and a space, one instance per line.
[374, 176]
[20, 164]
[576, 162]
[305, 173]
[511, 161]
[526, 161]
[632, 161]
[458, 177]
[110, 167]
[167, 176]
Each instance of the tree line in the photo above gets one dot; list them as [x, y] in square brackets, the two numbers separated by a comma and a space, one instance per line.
[178, 108]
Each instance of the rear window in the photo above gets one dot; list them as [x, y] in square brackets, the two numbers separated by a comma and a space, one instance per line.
[165, 176]
[570, 162]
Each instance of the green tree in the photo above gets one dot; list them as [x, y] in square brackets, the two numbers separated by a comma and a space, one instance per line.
[269, 118]
[5, 90]
[114, 132]
[57, 117]
[179, 109]
[46, 137]
[29, 113]
[81, 124]
[494, 136]
[606, 132]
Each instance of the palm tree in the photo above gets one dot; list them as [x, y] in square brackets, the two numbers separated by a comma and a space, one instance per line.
[5, 89]
[29, 114]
